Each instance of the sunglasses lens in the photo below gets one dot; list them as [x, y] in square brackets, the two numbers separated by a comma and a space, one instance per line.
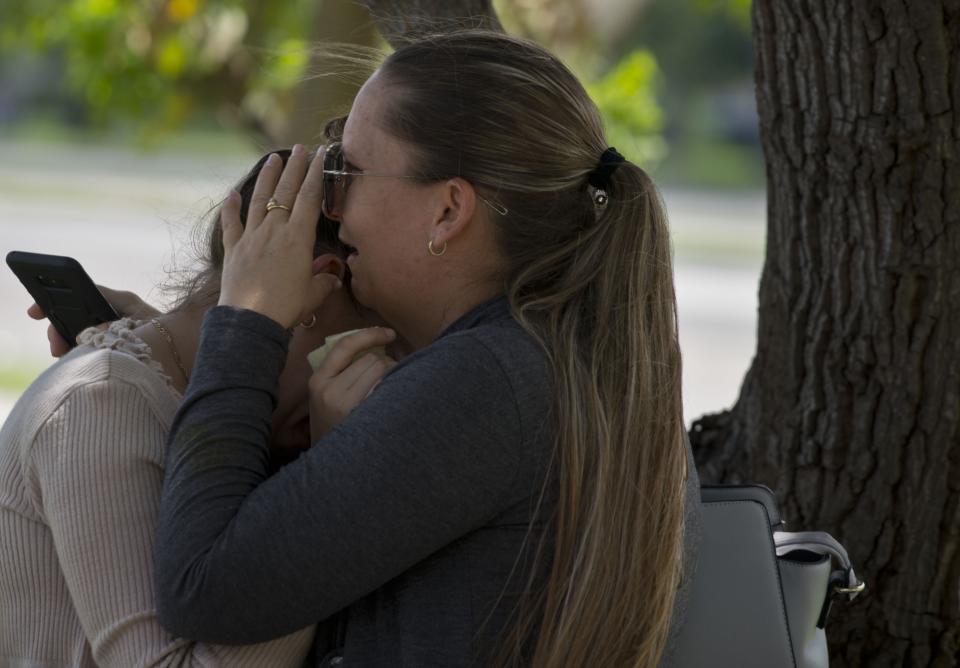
[332, 183]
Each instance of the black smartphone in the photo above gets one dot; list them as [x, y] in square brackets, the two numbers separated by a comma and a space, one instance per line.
[63, 290]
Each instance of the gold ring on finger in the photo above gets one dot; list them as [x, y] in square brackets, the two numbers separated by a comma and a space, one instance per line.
[274, 204]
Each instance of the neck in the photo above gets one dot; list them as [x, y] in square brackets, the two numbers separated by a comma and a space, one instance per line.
[340, 314]
[433, 316]
[184, 330]
[184, 327]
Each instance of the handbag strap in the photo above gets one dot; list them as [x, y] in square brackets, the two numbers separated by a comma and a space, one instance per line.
[845, 582]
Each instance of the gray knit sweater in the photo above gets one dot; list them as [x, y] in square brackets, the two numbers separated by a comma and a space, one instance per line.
[402, 531]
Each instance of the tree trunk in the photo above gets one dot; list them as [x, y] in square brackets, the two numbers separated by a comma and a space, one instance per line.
[323, 95]
[851, 408]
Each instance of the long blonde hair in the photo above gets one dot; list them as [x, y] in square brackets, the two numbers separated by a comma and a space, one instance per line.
[594, 285]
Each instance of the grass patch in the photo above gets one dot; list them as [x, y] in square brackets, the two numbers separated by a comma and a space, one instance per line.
[713, 165]
[17, 379]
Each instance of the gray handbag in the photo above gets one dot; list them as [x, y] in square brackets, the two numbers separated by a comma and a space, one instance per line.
[760, 596]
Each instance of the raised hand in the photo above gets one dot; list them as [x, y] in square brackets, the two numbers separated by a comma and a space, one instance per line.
[267, 263]
[124, 302]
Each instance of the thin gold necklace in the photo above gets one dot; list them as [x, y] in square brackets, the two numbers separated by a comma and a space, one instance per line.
[173, 348]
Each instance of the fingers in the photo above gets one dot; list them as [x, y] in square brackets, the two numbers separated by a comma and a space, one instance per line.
[263, 190]
[373, 371]
[347, 349]
[357, 370]
[332, 399]
[58, 345]
[268, 268]
[307, 209]
[128, 303]
[290, 180]
[230, 225]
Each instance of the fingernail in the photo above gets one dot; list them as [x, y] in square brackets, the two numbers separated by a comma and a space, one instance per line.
[390, 334]
[297, 150]
[273, 159]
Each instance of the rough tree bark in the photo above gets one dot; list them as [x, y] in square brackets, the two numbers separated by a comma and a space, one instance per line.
[851, 408]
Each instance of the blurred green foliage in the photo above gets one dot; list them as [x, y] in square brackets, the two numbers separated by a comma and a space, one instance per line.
[624, 79]
[161, 64]
[737, 10]
[699, 44]
[626, 98]
[162, 61]
[705, 54]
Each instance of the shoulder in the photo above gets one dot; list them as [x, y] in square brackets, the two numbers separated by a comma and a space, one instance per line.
[495, 372]
[499, 357]
[91, 387]
[496, 349]
[110, 373]
[515, 357]
[92, 412]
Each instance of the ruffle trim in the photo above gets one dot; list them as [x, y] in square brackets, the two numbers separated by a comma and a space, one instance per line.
[120, 337]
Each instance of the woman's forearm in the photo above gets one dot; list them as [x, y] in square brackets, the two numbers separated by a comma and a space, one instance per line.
[242, 558]
[224, 422]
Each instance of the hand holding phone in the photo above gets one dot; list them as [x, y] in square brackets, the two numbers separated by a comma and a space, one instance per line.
[64, 293]
[126, 303]
[58, 345]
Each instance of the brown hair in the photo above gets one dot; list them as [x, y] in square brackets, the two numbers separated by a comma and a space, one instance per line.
[201, 287]
[594, 285]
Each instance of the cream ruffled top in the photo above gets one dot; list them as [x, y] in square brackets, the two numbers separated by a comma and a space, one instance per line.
[119, 336]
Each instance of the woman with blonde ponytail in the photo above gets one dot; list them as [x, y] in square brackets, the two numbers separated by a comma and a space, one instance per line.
[518, 491]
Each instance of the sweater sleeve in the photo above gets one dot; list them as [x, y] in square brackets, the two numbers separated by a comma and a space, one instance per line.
[431, 455]
[97, 464]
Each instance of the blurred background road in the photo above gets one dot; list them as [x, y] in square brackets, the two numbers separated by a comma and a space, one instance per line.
[124, 215]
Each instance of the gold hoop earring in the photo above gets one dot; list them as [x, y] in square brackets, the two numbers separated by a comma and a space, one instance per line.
[313, 321]
[435, 252]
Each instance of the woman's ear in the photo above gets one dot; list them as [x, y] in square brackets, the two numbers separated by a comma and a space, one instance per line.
[458, 203]
[329, 263]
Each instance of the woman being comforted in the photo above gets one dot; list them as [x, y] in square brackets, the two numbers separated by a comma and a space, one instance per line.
[81, 470]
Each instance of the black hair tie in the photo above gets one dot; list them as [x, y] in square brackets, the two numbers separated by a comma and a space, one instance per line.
[609, 161]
